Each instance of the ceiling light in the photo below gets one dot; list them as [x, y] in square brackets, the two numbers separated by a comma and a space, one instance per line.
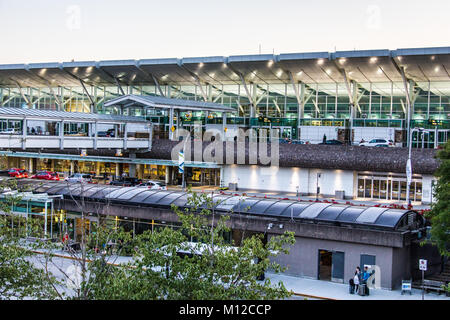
[379, 71]
[436, 69]
[224, 65]
[373, 59]
[42, 72]
[75, 70]
[433, 57]
[270, 63]
[200, 65]
[328, 71]
[212, 75]
[89, 69]
[299, 73]
[320, 62]
[342, 60]
[279, 73]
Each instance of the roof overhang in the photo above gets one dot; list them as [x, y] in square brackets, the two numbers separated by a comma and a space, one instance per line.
[158, 102]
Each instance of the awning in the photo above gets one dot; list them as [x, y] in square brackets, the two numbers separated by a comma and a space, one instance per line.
[158, 102]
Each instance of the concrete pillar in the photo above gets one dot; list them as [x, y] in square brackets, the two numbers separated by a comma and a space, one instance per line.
[72, 167]
[30, 165]
[52, 165]
[168, 175]
[34, 163]
[118, 169]
[97, 169]
[132, 166]
[140, 171]
[132, 170]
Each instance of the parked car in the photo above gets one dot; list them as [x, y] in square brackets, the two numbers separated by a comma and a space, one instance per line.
[18, 173]
[107, 134]
[377, 142]
[332, 142]
[79, 178]
[46, 175]
[9, 131]
[153, 185]
[126, 182]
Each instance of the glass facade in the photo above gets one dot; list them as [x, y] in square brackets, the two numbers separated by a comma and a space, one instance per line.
[388, 187]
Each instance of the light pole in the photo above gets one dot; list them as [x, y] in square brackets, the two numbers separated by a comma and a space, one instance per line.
[409, 166]
[188, 138]
[317, 187]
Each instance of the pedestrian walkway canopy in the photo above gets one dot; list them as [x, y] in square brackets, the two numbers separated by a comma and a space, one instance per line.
[306, 212]
[38, 114]
[157, 102]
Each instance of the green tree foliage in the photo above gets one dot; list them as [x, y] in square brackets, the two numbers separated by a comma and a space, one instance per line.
[210, 268]
[19, 278]
[440, 210]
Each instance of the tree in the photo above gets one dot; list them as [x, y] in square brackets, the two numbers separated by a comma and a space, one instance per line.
[440, 210]
[209, 268]
[19, 278]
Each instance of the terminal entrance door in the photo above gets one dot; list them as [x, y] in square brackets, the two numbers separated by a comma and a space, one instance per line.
[429, 138]
[282, 132]
[331, 266]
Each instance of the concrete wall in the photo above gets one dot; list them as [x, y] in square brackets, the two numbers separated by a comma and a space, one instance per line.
[427, 192]
[303, 259]
[287, 179]
[401, 265]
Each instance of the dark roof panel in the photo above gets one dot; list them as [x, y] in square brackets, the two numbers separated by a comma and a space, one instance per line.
[331, 213]
[350, 214]
[315, 212]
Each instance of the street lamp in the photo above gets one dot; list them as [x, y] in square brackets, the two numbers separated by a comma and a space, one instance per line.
[188, 138]
[409, 166]
[317, 187]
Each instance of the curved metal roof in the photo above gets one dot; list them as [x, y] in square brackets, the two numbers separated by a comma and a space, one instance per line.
[40, 114]
[363, 66]
[162, 102]
[369, 217]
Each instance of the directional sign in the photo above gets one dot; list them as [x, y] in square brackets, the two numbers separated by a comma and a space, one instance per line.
[180, 161]
[423, 265]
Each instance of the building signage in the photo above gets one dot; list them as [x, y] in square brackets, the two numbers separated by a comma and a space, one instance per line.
[423, 265]
[408, 171]
[180, 161]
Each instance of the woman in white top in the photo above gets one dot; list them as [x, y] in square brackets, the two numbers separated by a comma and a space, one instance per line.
[356, 279]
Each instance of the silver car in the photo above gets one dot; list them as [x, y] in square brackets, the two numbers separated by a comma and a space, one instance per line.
[153, 185]
[79, 177]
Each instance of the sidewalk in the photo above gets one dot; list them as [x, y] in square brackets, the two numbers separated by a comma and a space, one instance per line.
[338, 291]
[309, 287]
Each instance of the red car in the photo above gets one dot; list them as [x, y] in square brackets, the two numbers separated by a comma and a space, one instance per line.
[18, 173]
[46, 175]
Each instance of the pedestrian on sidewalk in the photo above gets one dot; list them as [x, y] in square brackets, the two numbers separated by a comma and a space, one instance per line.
[365, 276]
[356, 278]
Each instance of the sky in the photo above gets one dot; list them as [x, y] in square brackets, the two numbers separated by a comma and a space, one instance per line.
[83, 30]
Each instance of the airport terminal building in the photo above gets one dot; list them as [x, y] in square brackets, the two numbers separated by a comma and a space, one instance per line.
[107, 118]
[104, 117]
